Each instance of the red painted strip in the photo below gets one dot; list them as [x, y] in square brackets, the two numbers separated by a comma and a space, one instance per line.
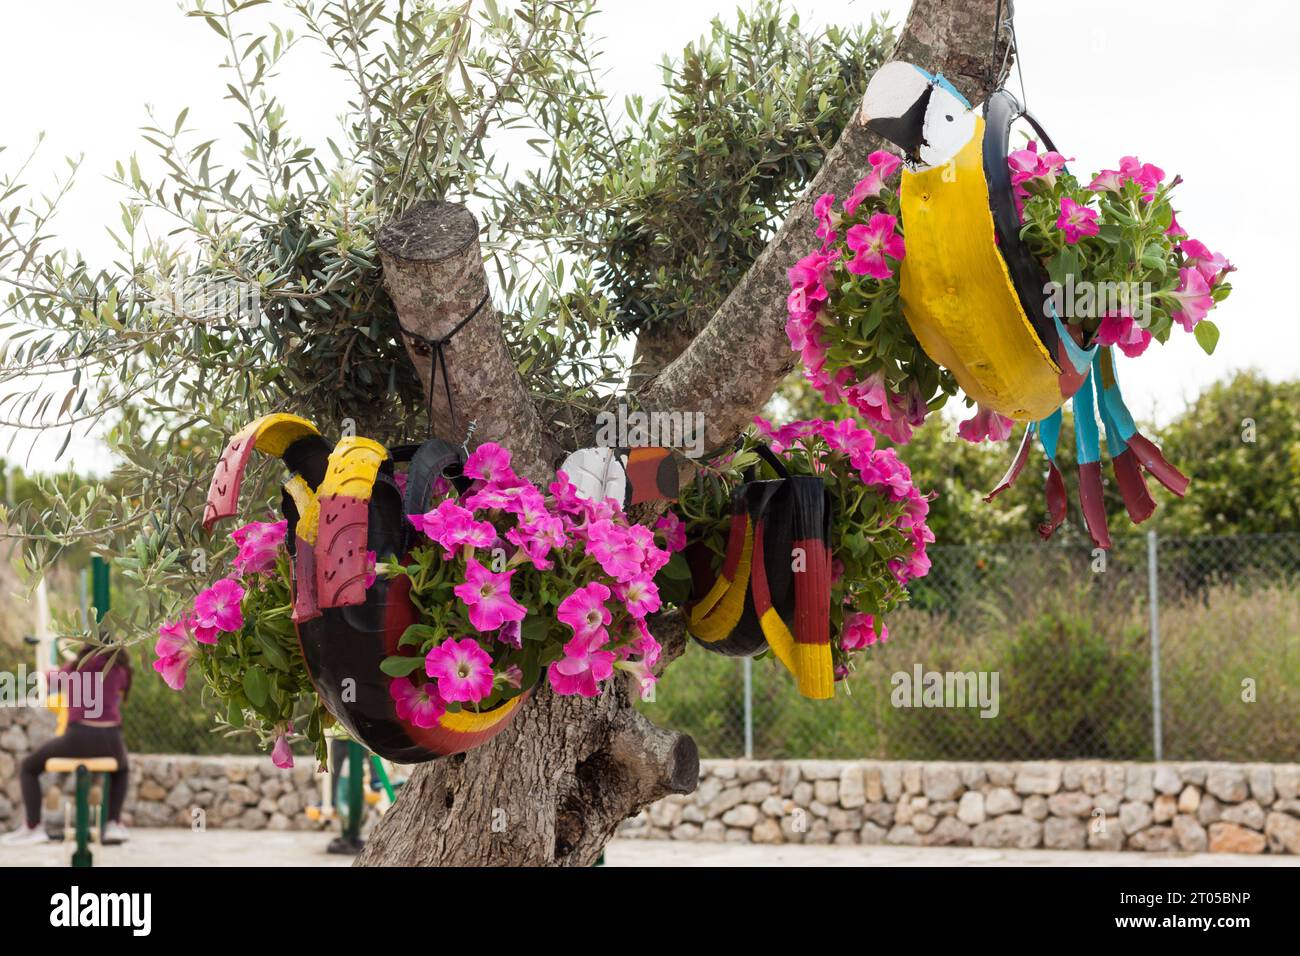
[812, 593]
[1017, 465]
[1154, 461]
[341, 540]
[1055, 489]
[1133, 487]
[1092, 503]
[758, 586]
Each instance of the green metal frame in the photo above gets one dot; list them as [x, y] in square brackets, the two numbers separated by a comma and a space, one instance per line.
[82, 857]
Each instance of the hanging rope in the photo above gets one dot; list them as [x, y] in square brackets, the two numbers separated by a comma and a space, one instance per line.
[436, 348]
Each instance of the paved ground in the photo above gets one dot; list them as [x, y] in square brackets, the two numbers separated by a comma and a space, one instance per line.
[176, 847]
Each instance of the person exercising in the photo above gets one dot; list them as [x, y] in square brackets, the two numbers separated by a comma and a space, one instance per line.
[95, 685]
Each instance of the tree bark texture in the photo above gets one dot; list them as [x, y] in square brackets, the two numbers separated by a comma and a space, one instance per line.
[553, 787]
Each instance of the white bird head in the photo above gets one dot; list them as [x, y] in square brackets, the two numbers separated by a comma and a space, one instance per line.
[921, 114]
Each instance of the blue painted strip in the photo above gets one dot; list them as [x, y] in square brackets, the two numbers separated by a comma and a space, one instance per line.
[1049, 433]
[1116, 408]
[1086, 439]
[942, 82]
[1115, 444]
[1080, 358]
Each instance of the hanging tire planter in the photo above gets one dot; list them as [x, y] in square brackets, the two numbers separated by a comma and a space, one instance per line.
[995, 271]
[772, 590]
[341, 505]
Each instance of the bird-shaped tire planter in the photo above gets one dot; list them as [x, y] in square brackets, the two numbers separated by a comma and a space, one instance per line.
[976, 298]
[341, 502]
[763, 596]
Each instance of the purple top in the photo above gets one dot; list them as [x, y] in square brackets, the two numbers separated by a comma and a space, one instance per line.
[92, 693]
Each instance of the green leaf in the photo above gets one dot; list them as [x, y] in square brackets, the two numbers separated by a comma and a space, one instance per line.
[257, 685]
[400, 665]
[534, 628]
[1207, 335]
[272, 651]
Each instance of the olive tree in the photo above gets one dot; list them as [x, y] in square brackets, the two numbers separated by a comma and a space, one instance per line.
[639, 256]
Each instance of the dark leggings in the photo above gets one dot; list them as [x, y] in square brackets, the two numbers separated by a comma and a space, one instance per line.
[80, 740]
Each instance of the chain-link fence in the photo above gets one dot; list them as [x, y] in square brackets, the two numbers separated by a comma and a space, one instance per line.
[1178, 649]
[1067, 634]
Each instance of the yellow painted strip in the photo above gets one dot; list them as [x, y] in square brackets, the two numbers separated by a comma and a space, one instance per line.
[308, 506]
[352, 468]
[275, 433]
[957, 293]
[814, 671]
[722, 619]
[811, 664]
[468, 722]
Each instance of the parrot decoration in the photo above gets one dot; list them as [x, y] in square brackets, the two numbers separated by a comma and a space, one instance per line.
[974, 295]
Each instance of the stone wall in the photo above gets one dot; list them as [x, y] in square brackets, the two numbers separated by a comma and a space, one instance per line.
[1232, 808]
[248, 793]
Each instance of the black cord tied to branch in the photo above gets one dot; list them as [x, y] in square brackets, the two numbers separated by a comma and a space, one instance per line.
[437, 349]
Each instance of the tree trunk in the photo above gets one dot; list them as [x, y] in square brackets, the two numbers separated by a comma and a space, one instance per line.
[553, 787]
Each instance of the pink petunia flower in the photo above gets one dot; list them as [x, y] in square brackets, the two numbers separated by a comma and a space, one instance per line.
[674, 532]
[1076, 221]
[883, 165]
[985, 425]
[420, 705]
[487, 595]
[259, 544]
[860, 631]
[489, 462]
[175, 650]
[218, 608]
[1193, 298]
[615, 550]
[582, 667]
[823, 210]
[1211, 265]
[1118, 328]
[372, 574]
[536, 539]
[452, 526]
[584, 610]
[871, 243]
[640, 596]
[281, 755]
[808, 281]
[462, 669]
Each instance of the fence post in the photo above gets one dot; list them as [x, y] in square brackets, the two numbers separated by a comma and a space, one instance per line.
[1153, 603]
[747, 668]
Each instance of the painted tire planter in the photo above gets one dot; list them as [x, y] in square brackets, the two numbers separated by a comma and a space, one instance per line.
[341, 503]
[757, 600]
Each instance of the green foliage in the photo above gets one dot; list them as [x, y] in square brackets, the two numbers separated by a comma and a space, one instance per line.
[751, 110]
[1240, 442]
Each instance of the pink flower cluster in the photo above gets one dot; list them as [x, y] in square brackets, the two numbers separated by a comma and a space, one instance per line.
[216, 610]
[878, 468]
[1147, 176]
[605, 614]
[1033, 172]
[874, 246]
[259, 543]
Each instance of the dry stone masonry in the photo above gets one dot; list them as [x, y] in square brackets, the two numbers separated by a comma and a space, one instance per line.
[228, 792]
[1193, 807]
[1228, 808]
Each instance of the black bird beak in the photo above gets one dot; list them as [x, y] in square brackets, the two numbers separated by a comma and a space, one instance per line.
[904, 131]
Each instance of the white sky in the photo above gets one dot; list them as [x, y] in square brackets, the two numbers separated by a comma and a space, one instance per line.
[1198, 87]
